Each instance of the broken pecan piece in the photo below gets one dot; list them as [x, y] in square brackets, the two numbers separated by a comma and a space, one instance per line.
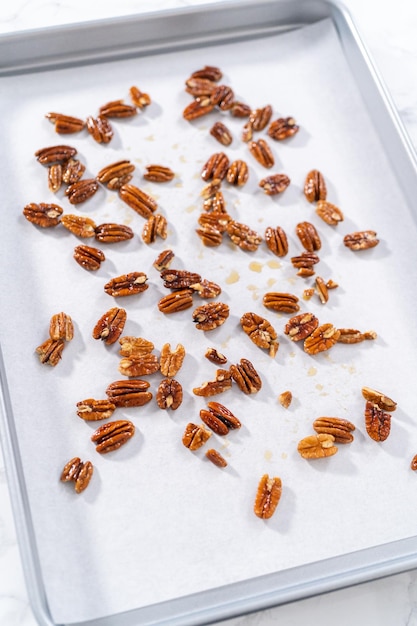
[267, 496]
[246, 377]
[138, 200]
[260, 331]
[128, 393]
[301, 326]
[140, 99]
[213, 355]
[210, 315]
[126, 284]
[92, 410]
[111, 436]
[351, 335]
[81, 190]
[216, 458]
[274, 184]
[54, 177]
[163, 260]
[315, 186]
[110, 325]
[100, 128]
[380, 399]
[317, 446]
[79, 472]
[79, 225]
[222, 383]
[285, 399]
[169, 394]
[340, 428]
[377, 422]
[361, 240]
[88, 257]
[43, 214]
[322, 338]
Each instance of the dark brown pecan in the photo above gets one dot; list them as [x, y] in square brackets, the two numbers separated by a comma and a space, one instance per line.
[261, 151]
[110, 325]
[179, 300]
[377, 422]
[223, 97]
[92, 410]
[216, 458]
[221, 133]
[216, 167]
[210, 315]
[383, 402]
[139, 365]
[308, 236]
[322, 338]
[274, 184]
[283, 128]
[260, 331]
[197, 108]
[243, 236]
[113, 233]
[79, 472]
[210, 236]
[72, 171]
[301, 326]
[267, 496]
[65, 124]
[361, 240]
[206, 288]
[88, 257]
[128, 393]
[169, 394]
[246, 377]
[341, 429]
[237, 173]
[82, 190]
[126, 284]
[158, 173]
[164, 260]
[260, 118]
[282, 302]
[179, 279]
[219, 418]
[195, 436]
[117, 108]
[61, 327]
[213, 355]
[112, 435]
[198, 87]
[100, 129]
[50, 351]
[43, 214]
[171, 360]
[240, 109]
[329, 213]
[79, 225]
[276, 240]
[55, 154]
[222, 383]
[315, 186]
[54, 177]
[156, 226]
[116, 174]
[210, 72]
[140, 99]
[138, 200]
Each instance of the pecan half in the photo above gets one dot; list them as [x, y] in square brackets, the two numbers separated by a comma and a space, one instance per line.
[116, 174]
[221, 133]
[111, 436]
[50, 351]
[377, 422]
[140, 99]
[100, 128]
[317, 446]
[138, 200]
[260, 118]
[169, 394]
[117, 108]
[240, 109]
[222, 383]
[55, 154]
[329, 213]
[156, 226]
[322, 338]
[274, 184]
[210, 236]
[135, 346]
[213, 355]
[210, 315]
[72, 171]
[213, 197]
[79, 225]
[282, 302]
[380, 399]
[243, 236]
[261, 151]
[260, 331]
[340, 428]
[216, 458]
[301, 326]
[215, 220]
[223, 97]
[128, 393]
[322, 290]
[198, 108]
[179, 300]
[237, 173]
[195, 436]
[163, 260]
[179, 279]
[81, 190]
[43, 214]
[206, 288]
[308, 236]
[215, 167]
[361, 240]
[139, 365]
[246, 377]
[113, 233]
[126, 284]
[315, 186]
[54, 177]
[92, 410]
[282, 128]
[171, 360]
[65, 124]
[219, 418]
[198, 86]
[158, 174]
[267, 496]
[110, 325]
[276, 240]
[209, 72]
[351, 335]
[61, 327]
[79, 472]
[88, 257]
[305, 262]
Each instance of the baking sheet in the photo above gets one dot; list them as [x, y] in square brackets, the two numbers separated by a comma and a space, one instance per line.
[158, 522]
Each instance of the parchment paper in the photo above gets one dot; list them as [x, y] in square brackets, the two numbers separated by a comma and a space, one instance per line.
[158, 521]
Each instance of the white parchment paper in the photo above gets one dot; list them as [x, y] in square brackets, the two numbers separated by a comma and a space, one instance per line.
[157, 521]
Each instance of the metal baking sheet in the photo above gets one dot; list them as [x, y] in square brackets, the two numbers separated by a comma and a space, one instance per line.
[160, 535]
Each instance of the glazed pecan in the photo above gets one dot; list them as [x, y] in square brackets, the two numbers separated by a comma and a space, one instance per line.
[79, 472]
[140, 99]
[195, 436]
[72, 171]
[50, 351]
[285, 399]
[377, 422]
[92, 410]
[361, 240]
[215, 167]
[42, 214]
[169, 394]
[198, 108]
[54, 177]
[243, 236]
[214, 220]
[116, 174]
[237, 173]
[88, 257]
[260, 118]
[260, 331]
[113, 233]
[210, 315]
[221, 133]
[315, 186]
[322, 290]
[216, 458]
[81, 190]
[305, 263]
[79, 225]
[100, 128]
[206, 289]
[198, 86]
[213, 197]
[171, 360]
[282, 302]
[139, 365]
[267, 496]
[179, 279]
[301, 326]
[210, 236]
[261, 151]
[179, 300]
[322, 338]
[246, 377]
[380, 399]
[329, 213]
[283, 128]
[317, 446]
[155, 226]
[65, 124]
[223, 97]
[213, 355]
[219, 418]
[413, 464]
[112, 435]
[274, 184]
[135, 346]
[222, 383]
[126, 284]
[138, 200]
[210, 72]
[308, 236]
[61, 327]
[128, 393]
[110, 325]
[117, 108]
[351, 335]
[55, 154]
[276, 240]
[163, 260]
[340, 428]
[240, 109]
[158, 174]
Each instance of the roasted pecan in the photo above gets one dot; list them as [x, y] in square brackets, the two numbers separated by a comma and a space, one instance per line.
[361, 240]
[261, 117]
[195, 436]
[274, 184]
[237, 173]
[243, 236]
[210, 72]
[139, 365]
[216, 167]
[221, 133]
[219, 418]
[322, 290]
[171, 360]
[79, 472]
[215, 220]
[128, 393]
[276, 240]
[305, 263]
[100, 129]
[116, 174]
[79, 225]
[261, 151]
[55, 154]
[117, 108]
[413, 464]
[110, 325]
[72, 171]
[246, 377]
[222, 383]
[206, 288]
[377, 422]
[179, 279]
[351, 335]
[54, 177]
[156, 226]
[140, 99]
[267, 496]
[50, 351]
[283, 128]
[329, 213]
[301, 326]
[88, 257]
[317, 446]
[282, 302]
[340, 428]
[216, 458]
[135, 346]
[213, 355]
[240, 109]
[308, 236]
[285, 399]
[210, 315]
[65, 124]
[138, 200]
[164, 260]
[380, 399]
[322, 338]
[213, 197]
[223, 97]
[198, 108]
[210, 236]
[61, 327]
[112, 435]
[42, 214]
[260, 331]
[315, 186]
[198, 87]
[126, 284]
[81, 190]
[179, 300]
[92, 410]
[113, 233]
[158, 173]
[169, 394]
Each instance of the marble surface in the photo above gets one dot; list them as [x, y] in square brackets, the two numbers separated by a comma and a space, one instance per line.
[388, 30]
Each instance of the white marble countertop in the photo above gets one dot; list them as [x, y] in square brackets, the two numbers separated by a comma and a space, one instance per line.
[388, 29]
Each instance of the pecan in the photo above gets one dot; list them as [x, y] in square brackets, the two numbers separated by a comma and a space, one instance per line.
[171, 360]
[301, 326]
[117, 108]
[72, 171]
[215, 220]
[213, 197]
[61, 327]
[169, 394]
[240, 109]
[163, 260]
[55, 154]
[210, 236]
[351, 335]
[285, 399]
[260, 331]
[260, 118]
[317, 446]
[361, 240]
[50, 351]
[198, 108]
[282, 302]
[237, 173]
[81, 190]
[222, 383]
[329, 213]
[65, 124]
[377, 422]
[219, 418]
[92, 410]
[113, 233]
[110, 325]
[79, 225]
[135, 346]
[42, 214]
[413, 464]
[126, 284]
[195, 436]
[315, 186]
[243, 236]
[179, 279]
[283, 128]
[138, 200]
[221, 133]
[380, 399]
[246, 377]
[177, 301]
[340, 428]
[206, 288]
[216, 458]
[79, 472]
[128, 393]
[213, 355]
[88, 257]
[140, 99]
[158, 174]
[305, 263]
[308, 294]
[210, 72]
[276, 240]
[100, 128]
[322, 338]
[223, 97]
[322, 290]
[215, 167]
[139, 365]
[155, 226]
[274, 184]
[116, 174]
[261, 151]
[198, 87]
[308, 236]
[112, 435]
[210, 315]
[54, 177]
[267, 496]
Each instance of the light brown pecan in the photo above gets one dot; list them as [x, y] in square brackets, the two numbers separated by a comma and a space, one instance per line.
[54, 177]
[155, 226]
[43, 214]
[221, 383]
[285, 399]
[243, 236]
[216, 357]
[176, 301]
[221, 133]
[216, 458]
[380, 399]
[223, 97]
[308, 293]
[215, 167]
[308, 236]
[377, 422]
[246, 377]
[198, 86]
[50, 351]
[81, 190]
[138, 200]
[322, 290]
[128, 393]
[260, 331]
[216, 220]
[315, 186]
[301, 326]
[340, 428]
[65, 124]
[179, 279]
[79, 472]
[274, 184]
[195, 436]
[267, 496]
[88, 257]
[210, 72]
[117, 108]
[413, 464]
[79, 225]
[261, 151]
[282, 302]
[206, 289]
[317, 446]
[158, 173]
[164, 260]
[139, 99]
[219, 418]
[276, 240]
[169, 394]
[240, 109]
[61, 327]
[237, 173]
[329, 213]
[112, 435]
[126, 284]
[100, 128]
[113, 233]
[72, 171]
[171, 360]
[361, 240]
[92, 410]
[282, 128]
[351, 335]
[213, 197]
[55, 154]
[210, 236]
[198, 108]
[322, 338]
[110, 325]
[139, 365]
[210, 315]
[116, 174]
[135, 346]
